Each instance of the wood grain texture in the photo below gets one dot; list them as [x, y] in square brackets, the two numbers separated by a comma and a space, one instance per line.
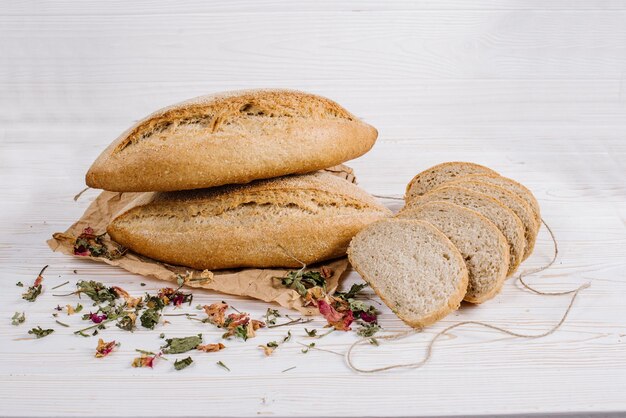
[533, 89]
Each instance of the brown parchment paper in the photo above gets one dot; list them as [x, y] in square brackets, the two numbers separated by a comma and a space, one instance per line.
[254, 283]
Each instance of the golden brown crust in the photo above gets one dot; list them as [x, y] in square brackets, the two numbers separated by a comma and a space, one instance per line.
[270, 223]
[231, 138]
[420, 184]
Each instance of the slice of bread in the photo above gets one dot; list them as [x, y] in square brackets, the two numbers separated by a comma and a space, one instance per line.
[413, 267]
[511, 201]
[504, 218]
[442, 173]
[511, 185]
[482, 245]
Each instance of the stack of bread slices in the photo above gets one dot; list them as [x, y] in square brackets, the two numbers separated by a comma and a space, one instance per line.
[238, 180]
[463, 230]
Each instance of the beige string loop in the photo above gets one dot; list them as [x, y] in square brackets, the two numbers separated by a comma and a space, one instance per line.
[429, 347]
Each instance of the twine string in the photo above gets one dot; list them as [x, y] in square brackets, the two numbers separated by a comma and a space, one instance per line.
[429, 348]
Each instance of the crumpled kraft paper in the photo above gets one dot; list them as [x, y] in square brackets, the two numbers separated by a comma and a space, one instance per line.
[254, 283]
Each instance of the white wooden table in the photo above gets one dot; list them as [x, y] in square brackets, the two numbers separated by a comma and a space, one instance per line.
[533, 89]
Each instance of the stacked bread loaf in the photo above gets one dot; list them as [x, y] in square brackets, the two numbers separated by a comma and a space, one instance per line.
[231, 180]
[463, 230]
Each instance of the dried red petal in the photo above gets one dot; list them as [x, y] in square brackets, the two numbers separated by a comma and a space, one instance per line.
[368, 317]
[328, 311]
[96, 319]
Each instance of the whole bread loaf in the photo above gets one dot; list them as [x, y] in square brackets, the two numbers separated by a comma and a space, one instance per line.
[280, 222]
[231, 138]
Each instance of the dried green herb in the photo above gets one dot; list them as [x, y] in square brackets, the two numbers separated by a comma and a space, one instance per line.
[374, 341]
[352, 292]
[142, 284]
[271, 315]
[127, 322]
[273, 345]
[181, 345]
[181, 364]
[19, 284]
[97, 291]
[368, 329]
[150, 317]
[239, 331]
[18, 318]
[34, 290]
[301, 280]
[311, 333]
[286, 370]
[161, 335]
[219, 363]
[307, 348]
[63, 324]
[60, 285]
[40, 333]
[88, 243]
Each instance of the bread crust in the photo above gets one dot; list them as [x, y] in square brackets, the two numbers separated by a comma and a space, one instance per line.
[414, 189]
[453, 302]
[231, 138]
[270, 223]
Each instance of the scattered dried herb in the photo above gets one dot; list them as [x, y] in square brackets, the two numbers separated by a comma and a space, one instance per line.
[302, 280]
[311, 333]
[104, 349]
[368, 329]
[286, 370]
[72, 310]
[127, 322]
[150, 317]
[19, 284]
[216, 313]
[374, 341]
[271, 315]
[63, 324]
[181, 345]
[219, 363]
[211, 348]
[40, 333]
[181, 364]
[96, 291]
[60, 285]
[147, 359]
[18, 318]
[142, 284]
[269, 348]
[307, 348]
[34, 290]
[88, 243]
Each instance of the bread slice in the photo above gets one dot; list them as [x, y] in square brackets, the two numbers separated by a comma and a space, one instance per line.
[511, 201]
[442, 173]
[511, 185]
[269, 223]
[480, 242]
[413, 267]
[231, 138]
[504, 218]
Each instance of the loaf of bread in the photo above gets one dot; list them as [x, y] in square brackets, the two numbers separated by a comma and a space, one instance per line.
[413, 267]
[231, 138]
[480, 242]
[280, 222]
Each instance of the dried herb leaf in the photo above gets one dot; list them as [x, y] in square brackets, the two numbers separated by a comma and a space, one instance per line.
[127, 322]
[40, 333]
[150, 317]
[219, 363]
[181, 345]
[368, 329]
[96, 291]
[18, 318]
[181, 364]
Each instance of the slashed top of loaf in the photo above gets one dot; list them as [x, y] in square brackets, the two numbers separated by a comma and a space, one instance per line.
[217, 114]
[317, 193]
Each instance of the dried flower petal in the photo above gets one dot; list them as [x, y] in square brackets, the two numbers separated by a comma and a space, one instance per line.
[211, 348]
[328, 311]
[104, 349]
